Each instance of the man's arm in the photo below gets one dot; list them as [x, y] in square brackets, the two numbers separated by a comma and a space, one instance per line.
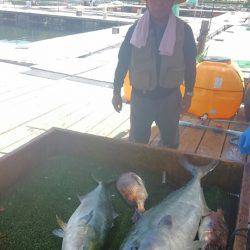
[190, 53]
[124, 57]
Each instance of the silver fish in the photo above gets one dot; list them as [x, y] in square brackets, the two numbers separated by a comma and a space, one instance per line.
[173, 224]
[89, 224]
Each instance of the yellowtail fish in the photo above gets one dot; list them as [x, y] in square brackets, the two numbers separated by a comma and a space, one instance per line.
[90, 223]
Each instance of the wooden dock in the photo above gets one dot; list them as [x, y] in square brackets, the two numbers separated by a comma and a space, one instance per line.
[30, 105]
[72, 89]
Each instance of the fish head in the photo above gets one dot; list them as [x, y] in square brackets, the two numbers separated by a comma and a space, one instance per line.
[213, 231]
[132, 188]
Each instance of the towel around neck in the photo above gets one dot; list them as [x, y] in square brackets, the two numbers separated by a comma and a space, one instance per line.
[141, 31]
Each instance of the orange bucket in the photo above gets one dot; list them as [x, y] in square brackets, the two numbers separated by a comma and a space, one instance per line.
[218, 90]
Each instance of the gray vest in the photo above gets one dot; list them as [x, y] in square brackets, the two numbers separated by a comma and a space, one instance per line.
[143, 72]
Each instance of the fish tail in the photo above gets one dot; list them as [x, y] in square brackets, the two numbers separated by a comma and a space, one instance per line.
[198, 171]
[106, 183]
[95, 179]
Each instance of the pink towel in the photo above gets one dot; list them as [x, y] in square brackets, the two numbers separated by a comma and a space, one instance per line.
[140, 34]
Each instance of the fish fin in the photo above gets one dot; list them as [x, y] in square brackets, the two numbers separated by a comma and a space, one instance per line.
[58, 232]
[205, 210]
[166, 221]
[62, 224]
[136, 216]
[105, 183]
[88, 217]
[138, 179]
[81, 198]
[95, 179]
[114, 214]
[199, 171]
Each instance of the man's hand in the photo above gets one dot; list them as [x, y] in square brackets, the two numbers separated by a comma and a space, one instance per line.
[117, 102]
[186, 103]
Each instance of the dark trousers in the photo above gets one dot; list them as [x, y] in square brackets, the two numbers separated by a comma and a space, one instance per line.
[164, 111]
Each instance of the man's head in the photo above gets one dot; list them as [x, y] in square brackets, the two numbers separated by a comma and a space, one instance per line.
[159, 9]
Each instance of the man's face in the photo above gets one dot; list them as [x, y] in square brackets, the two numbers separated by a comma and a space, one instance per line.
[159, 8]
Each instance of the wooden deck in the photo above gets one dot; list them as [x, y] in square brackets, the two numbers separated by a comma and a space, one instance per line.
[206, 142]
[31, 105]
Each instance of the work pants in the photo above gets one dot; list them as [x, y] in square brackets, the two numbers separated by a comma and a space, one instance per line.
[164, 111]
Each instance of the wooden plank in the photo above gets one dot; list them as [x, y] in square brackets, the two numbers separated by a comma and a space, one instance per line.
[14, 136]
[75, 104]
[184, 133]
[98, 103]
[56, 117]
[230, 151]
[6, 88]
[22, 91]
[17, 137]
[63, 117]
[110, 123]
[25, 102]
[21, 142]
[122, 131]
[30, 129]
[67, 115]
[22, 99]
[22, 134]
[244, 209]
[25, 91]
[212, 143]
[12, 124]
[190, 138]
[55, 96]
[93, 119]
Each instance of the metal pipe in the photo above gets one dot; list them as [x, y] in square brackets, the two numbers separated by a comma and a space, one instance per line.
[216, 130]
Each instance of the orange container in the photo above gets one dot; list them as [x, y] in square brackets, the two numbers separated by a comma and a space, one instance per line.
[218, 90]
[127, 88]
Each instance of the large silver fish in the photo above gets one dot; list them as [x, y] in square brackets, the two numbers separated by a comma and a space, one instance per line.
[89, 224]
[173, 224]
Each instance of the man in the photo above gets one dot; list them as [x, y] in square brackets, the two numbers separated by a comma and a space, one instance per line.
[159, 51]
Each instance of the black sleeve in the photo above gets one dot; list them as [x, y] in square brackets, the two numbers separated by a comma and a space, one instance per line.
[190, 53]
[124, 58]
